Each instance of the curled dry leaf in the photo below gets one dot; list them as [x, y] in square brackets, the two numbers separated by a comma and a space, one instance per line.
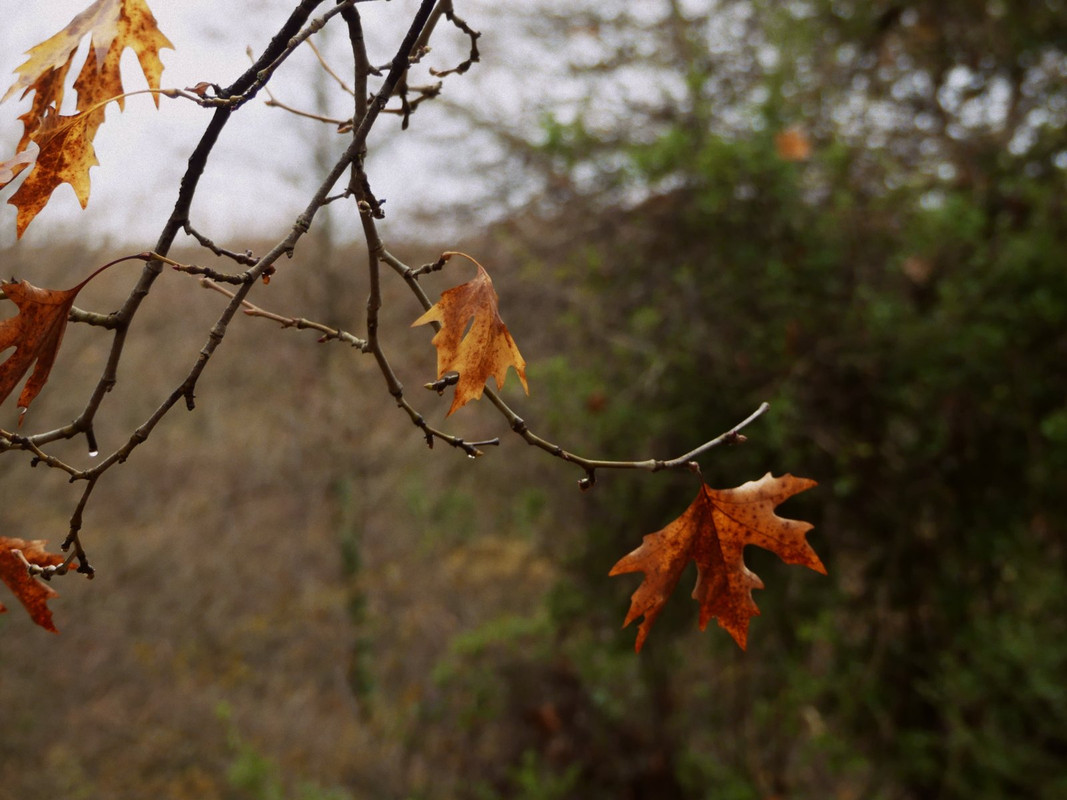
[65, 156]
[200, 90]
[484, 351]
[14, 165]
[36, 333]
[112, 25]
[31, 592]
[713, 532]
[65, 142]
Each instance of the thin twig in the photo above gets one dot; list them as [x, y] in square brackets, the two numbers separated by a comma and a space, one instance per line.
[473, 56]
[345, 124]
[245, 259]
[92, 318]
[264, 74]
[329, 71]
[328, 333]
[425, 269]
[215, 275]
[13, 441]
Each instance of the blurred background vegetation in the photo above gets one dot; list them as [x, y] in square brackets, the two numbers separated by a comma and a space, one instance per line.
[848, 209]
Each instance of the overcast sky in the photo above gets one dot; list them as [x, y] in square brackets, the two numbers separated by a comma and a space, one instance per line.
[261, 174]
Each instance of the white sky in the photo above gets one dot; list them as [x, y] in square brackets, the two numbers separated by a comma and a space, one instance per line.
[261, 173]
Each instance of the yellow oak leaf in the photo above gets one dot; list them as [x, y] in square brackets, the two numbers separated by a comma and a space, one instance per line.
[113, 25]
[66, 151]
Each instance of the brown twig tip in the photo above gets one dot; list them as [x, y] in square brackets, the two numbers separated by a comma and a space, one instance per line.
[441, 384]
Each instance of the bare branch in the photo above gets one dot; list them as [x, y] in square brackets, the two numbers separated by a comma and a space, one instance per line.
[328, 333]
[367, 108]
[246, 258]
[327, 68]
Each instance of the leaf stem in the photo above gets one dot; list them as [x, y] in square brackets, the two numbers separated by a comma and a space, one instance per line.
[145, 256]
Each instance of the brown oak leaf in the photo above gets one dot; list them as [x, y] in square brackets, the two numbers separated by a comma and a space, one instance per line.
[65, 142]
[31, 592]
[484, 351]
[713, 532]
[36, 333]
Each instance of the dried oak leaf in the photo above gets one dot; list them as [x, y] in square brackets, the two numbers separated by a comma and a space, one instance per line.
[124, 23]
[36, 333]
[65, 142]
[66, 153]
[14, 165]
[713, 532]
[486, 350]
[113, 25]
[31, 592]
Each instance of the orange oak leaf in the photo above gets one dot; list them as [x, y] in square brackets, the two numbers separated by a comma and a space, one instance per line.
[713, 532]
[793, 144]
[36, 333]
[31, 592]
[66, 151]
[484, 351]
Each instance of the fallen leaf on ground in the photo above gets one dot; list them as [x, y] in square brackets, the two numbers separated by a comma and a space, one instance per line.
[484, 351]
[33, 593]
[713, 532]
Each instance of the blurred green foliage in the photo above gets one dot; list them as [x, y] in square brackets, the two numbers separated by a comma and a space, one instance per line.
[906, 316]
[254, 775]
